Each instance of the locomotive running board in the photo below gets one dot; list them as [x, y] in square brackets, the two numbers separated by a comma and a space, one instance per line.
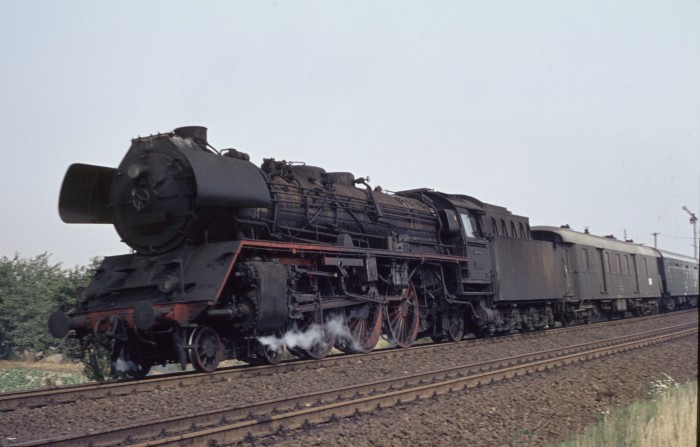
[307, 248]
[295, 248]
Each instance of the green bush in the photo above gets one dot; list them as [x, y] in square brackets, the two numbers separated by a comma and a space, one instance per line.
[30, 290]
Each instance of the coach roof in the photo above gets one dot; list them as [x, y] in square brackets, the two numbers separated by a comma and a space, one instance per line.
[606, 243]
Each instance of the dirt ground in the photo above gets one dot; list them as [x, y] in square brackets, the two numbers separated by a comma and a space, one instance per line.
[49, 364]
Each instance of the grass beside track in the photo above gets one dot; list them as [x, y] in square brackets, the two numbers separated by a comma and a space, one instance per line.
[668, 418]
[22, 376]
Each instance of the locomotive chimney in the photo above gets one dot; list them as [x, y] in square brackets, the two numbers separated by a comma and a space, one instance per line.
[198, 134]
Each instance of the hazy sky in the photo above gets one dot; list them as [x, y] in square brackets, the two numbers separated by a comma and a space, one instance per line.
[579, 112]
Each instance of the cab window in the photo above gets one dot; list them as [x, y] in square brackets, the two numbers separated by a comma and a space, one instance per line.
[469, 227]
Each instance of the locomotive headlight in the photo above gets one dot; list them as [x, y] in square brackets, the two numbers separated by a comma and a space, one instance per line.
[136, 170]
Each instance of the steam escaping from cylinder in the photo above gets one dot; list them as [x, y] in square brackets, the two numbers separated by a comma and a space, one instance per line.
[294, 338]
[123, 365]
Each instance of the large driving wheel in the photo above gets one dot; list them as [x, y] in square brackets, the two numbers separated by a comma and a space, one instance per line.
[402, 318]
[271, 356]
[315, 340]
[362, 328]
[321, 347]
[453, 322]
[268, 352]
[206, 350]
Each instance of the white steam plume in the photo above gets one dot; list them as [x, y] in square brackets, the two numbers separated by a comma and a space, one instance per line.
[294, 338]
[122, 365]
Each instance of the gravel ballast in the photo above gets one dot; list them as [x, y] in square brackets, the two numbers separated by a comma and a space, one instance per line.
[540, 407]
[533, 410]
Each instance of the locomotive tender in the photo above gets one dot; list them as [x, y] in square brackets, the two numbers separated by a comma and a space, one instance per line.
[226, 254]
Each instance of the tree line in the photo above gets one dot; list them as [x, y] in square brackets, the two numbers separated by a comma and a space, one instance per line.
[30, 290]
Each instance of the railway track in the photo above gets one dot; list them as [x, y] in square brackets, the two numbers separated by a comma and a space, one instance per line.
[235, 424]
[93, 391]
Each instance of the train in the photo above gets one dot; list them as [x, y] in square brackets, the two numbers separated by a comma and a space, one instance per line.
[227, 258]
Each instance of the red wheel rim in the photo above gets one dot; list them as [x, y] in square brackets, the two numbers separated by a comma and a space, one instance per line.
[206, 350]
[363, 323]
[323, 342]
[403, 318]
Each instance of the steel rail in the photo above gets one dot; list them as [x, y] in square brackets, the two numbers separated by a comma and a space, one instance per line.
[265, 418]
[93, 391]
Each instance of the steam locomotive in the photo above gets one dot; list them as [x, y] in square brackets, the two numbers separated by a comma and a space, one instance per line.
[227, 255]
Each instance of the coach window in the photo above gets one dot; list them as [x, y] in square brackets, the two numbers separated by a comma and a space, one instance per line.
[586, 261]
[619, 263]
[627, 264]
[607, 262]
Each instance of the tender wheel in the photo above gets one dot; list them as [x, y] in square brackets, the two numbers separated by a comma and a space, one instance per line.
[362, 329]
[206, 350]
[516, 318]
[530, 317]
[670, 306]
[568, 318]
[402, 318]
[453, 323]
[549, 316]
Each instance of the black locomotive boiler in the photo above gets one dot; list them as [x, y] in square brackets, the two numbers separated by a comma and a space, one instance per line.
[226, 255]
